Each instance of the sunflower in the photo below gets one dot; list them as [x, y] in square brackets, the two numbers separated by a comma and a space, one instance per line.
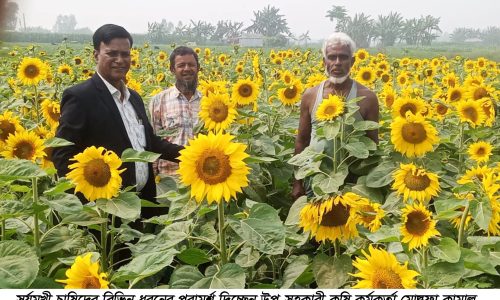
[370, 214]
[366, 76]
[491, 187]
[402, 105]
[387, 96]
[330, 108]
[381, 270]
[474, 173]
[291, 94]
[413, 135]
[403, 79]
[209, 86]
[31, 71]
[65, 69]
[489, 111]
[84, 274]
[24, 145]
[95, 173]
[362, 54]
[245, 92]
[450, 80]
[479, 91]
[51, 112]
[222, 59]
[287, 77]
[217, 112]
[456, 93]
[315, 79]
[480, 151]
[207, 52]
[332, 219]
[416, 183]
[385, 77]
[418, 226]
[470, 111]
[213, 166]
[9, 124]
[78, 60]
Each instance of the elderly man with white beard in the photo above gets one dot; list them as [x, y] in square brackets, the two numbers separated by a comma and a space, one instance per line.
[338, 58]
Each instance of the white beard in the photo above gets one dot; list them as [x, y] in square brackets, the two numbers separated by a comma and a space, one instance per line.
[338, 80]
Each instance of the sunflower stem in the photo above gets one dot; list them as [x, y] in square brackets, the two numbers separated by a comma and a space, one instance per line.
[37, 108]
[112, 240]
[36, 230]
[336, 247]
[3, 230]
[424, 264]
[462, 225]
[222, 235]
[460, 149]
[104, 242]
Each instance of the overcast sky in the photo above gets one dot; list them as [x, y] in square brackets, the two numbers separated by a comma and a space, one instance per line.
[301, 15]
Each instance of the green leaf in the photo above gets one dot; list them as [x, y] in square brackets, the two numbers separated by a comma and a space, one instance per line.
[381, 175]
[365, 125]
[126, 206]
[293, 271]
[194, 256]
[444, 274]
[60, 238]
[11, 169]
[182, 208]
[230, 276]
[480, 209]
[131, 155]
[144, 265]
[62, 186]
[331, 184]
[12, 208]
[385, 234]
[262, 229]
[167, 238]
[357, 149]
[481, 241]
[57, 142]
[293, 217]
[331, 272]
[476, 261]
[185, 277]
[18, 265]
[259, 159]
[86, 217]
[308, 170]
[64, 203]
[247, 257]
[447, 250]
[331, 130]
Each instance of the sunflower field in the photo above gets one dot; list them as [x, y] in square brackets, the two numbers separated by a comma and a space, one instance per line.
[424, 211]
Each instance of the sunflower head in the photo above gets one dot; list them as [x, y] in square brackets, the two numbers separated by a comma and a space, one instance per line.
[415, 183]
[31, 71]
[24, 145]
[470, 111]
[51, 112]
[9, 124]
[330, 108]
[217, 111]
[95, 173]
[480, 151]
[381, 270]
[245, 91]
[418, 226]
[290, 94]
[84, 274]
[413, 135]
[213, 166]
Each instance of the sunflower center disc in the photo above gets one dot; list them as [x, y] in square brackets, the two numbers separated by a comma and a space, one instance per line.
[31, 71]
[481, 151]
[245, 90]
[54, 114]
[97, 172]
[6, 128]
[218, 112]
[330, 110]
[367, 76]
[455, 95]
[480, 93]
[386, 279]
[91, 282]
[441, 109]
[24, 150]
[471, 114]
[290, 92]
[417, 223]
[336, 217]
[414, 133]
[407, 107]
[213, 168]
[368, 214]
[417, 182]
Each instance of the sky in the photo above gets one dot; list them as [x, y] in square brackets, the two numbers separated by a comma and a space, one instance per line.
[302, 16]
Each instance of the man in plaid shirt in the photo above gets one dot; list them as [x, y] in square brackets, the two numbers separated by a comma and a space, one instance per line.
[174, 111]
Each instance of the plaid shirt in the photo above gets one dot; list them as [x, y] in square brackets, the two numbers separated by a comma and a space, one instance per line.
[176, 116]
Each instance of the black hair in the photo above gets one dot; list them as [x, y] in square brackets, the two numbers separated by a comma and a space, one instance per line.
[107, 32]
[180, 51]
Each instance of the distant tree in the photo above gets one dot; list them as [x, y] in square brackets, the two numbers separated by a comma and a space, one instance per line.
[64, 24]
[491, 35]
[227, 31]
[181, 31]
[37, 29]
[270, 24]
[421, 31]
[388, 28]
[83, 30]
[338, 13]
[461, 34]
[304, 38]
[8, 15]
[201, 31]
[159, 32]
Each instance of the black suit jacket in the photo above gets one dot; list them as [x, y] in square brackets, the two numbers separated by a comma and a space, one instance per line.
[90, 117]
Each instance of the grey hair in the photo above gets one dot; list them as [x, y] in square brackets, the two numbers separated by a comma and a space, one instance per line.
[339, 38]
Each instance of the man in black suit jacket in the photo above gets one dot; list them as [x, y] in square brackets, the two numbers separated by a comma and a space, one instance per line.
[102, 111]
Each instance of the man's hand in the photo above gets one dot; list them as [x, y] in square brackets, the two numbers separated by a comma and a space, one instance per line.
[298, 189]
